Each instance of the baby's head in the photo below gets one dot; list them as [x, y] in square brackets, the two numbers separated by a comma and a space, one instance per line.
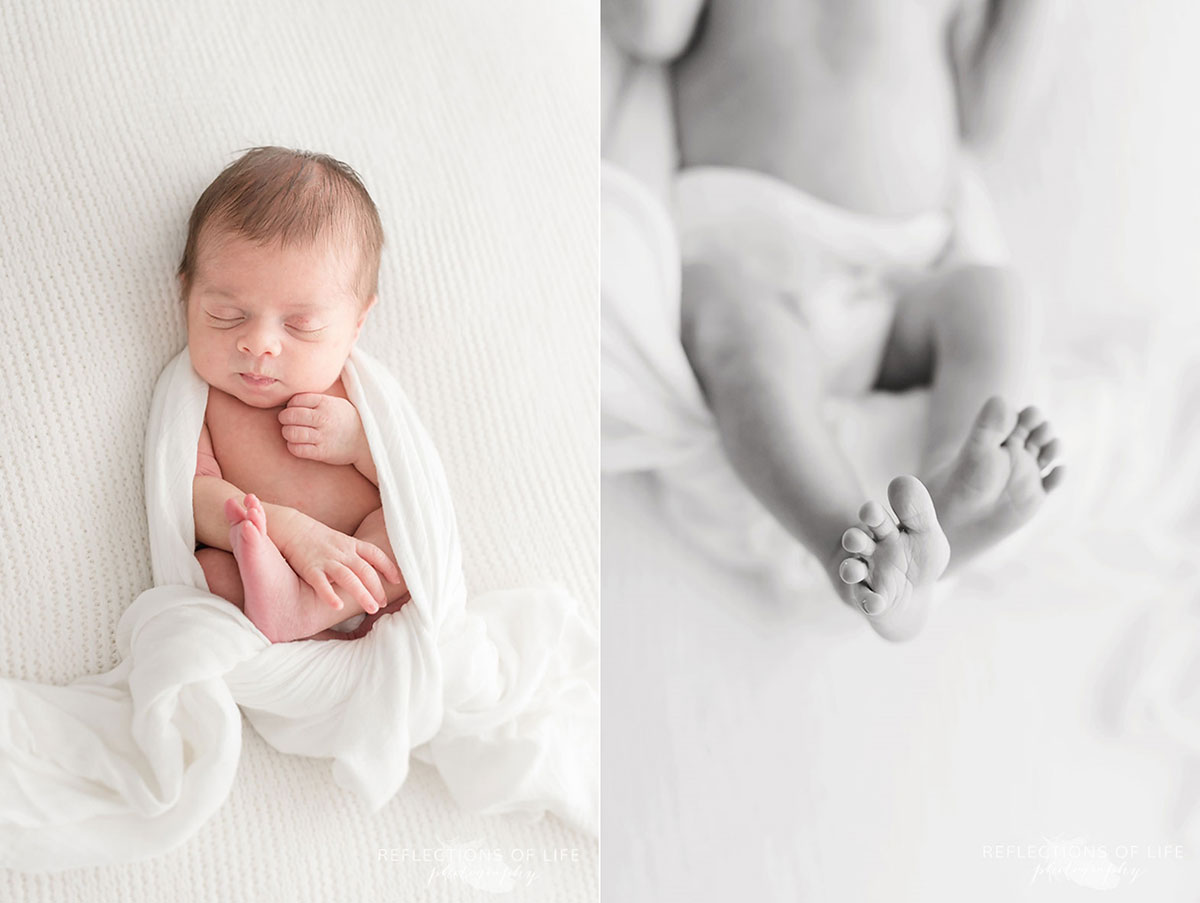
[279, 271]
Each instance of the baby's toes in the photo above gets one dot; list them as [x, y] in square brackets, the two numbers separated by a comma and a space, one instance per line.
[1028, 422]
[1048, 454]
[255, 513]
[241, 538]
[1026, 489]
[234, 513]
[867, 599]
[1039, 436]
[877, 521]
[857, 542]
[852, 570]
[1051, 481]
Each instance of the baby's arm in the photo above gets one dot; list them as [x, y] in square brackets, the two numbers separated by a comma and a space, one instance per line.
[209, 494]
[1000, 49]
[656, 31]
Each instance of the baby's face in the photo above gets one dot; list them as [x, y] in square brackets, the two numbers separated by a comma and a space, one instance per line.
[267, 323]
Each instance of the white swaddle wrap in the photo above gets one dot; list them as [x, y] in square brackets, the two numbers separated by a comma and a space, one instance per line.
[500, 694]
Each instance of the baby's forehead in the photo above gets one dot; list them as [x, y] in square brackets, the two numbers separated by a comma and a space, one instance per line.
[223, 242]
[227, 256]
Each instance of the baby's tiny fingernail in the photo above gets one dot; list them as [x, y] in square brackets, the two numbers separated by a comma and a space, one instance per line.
[873, 606]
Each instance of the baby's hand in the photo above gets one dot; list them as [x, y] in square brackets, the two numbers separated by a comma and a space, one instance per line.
[323, 428]
[322, 556]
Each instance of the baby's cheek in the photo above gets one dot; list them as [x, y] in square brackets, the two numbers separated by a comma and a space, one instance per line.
[201, 353]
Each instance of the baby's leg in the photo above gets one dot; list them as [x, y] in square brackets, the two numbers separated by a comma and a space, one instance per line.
[762, 374]
[221, 571]
[968, 333]
[225, 580]
[972, 334]
[279, 603]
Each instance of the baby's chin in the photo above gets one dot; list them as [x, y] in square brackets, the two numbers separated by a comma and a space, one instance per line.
[261, 403]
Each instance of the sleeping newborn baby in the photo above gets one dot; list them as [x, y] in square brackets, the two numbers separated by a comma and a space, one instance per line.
[278, 275]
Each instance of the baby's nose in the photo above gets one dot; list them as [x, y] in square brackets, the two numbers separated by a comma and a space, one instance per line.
[257, 342]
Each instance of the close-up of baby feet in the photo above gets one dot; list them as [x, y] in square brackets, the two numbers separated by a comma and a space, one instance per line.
[893, 564]
[999, 479]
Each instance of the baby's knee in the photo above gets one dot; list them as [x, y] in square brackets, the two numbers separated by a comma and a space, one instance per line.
[708, 315]
[986, 302]
[723, 310]
[656, 31]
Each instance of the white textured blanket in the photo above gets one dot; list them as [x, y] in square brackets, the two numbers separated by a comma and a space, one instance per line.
[500, 694]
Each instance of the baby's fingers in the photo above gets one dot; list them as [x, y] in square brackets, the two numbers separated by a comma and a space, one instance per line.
[380, 560]
[370, 579]
[299, 416]
[320, 584]
[301, 434]
[306, 400]
[350, 582]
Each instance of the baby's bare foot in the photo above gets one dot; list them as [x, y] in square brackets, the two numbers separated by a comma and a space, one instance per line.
[893, 568]
[278, 602]
[998, 480]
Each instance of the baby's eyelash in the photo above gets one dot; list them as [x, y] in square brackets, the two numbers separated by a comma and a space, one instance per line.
[291, 326]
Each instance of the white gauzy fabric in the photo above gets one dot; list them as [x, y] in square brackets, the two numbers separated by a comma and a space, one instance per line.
[500, 693]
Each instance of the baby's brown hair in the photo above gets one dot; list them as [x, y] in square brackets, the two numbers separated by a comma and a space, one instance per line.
[293, 197]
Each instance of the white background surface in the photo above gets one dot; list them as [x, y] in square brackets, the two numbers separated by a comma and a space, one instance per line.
[753, 755]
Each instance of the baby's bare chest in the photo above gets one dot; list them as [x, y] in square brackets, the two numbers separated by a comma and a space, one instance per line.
[250, 449]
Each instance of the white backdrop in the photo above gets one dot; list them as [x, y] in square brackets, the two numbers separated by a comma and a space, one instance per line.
[752, 753]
